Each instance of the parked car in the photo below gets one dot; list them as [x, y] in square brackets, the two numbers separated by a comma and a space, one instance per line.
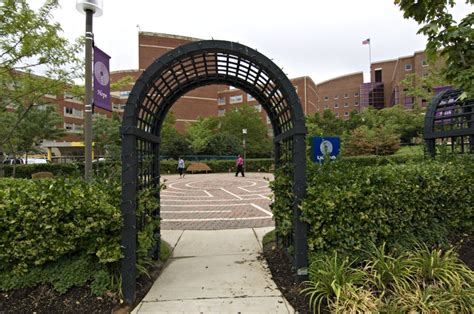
[22, 161]
[12, 161]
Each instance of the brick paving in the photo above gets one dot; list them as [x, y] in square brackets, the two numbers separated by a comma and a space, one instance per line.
[216, 201]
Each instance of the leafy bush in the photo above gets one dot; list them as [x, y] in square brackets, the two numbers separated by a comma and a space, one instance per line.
[392, 282]
[252, 165]
[43, 220]
[348, 206]
[58, 170]
[66, 232]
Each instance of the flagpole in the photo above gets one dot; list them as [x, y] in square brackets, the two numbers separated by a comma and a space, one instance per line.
[370, 56]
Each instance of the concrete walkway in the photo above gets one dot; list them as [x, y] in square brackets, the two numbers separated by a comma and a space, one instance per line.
[216, 271]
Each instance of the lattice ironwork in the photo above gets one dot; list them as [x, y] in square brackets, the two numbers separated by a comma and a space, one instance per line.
[163, 83]
[449, 123]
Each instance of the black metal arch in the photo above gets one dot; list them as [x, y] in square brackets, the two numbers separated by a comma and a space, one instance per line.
[450, 120]
[163, 83]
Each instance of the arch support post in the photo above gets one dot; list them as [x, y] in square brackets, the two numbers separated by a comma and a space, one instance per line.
[129, 206]
[299, 191]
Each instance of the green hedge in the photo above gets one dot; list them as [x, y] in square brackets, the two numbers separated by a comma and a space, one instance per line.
[44, 220]
[252, 165]
[59, 170]
[374, 160]
[349, 206]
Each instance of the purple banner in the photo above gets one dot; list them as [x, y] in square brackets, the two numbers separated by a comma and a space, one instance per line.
[101, 80]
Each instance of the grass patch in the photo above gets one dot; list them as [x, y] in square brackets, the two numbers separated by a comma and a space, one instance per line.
[165, 251]
[268, 238]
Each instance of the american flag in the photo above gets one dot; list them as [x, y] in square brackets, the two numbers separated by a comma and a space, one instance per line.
[366, 42]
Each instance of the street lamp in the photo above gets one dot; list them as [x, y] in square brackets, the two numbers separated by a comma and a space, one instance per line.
[244, 132]
[89, 7]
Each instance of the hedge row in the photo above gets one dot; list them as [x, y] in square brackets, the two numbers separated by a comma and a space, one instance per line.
[349, 206]
[44, 220]
[58, 170]
[252, 165]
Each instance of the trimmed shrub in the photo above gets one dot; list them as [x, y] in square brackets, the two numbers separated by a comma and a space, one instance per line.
[58, 170]
[252, 165]
[44, 220]
[349, 206]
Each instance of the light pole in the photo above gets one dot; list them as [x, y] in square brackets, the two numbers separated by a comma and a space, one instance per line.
[244, 132]
[89, 7]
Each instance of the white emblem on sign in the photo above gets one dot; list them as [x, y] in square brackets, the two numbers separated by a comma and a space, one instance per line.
[101, 73]
[326, 147]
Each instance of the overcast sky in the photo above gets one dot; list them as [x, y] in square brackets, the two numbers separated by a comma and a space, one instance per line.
[321, 39]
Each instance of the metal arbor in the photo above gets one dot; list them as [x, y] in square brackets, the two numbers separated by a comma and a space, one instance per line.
[162, 84]
[451, 121]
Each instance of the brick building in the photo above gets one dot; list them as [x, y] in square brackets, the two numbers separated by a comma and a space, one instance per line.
[385, 88]
[341, 95]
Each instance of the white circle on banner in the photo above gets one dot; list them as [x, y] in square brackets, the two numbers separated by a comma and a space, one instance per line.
[101, 73]
[326, 147]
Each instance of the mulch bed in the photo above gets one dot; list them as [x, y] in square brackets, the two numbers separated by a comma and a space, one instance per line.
[280, 267]
[43, 299]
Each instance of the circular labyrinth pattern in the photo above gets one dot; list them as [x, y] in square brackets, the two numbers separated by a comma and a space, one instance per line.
[216, 201]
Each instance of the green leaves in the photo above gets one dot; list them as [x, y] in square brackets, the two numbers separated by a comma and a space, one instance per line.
[453, 41]
[348, 205]
[52, 218]
[408, 280]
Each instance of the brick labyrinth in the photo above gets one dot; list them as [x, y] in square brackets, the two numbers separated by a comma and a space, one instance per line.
[216, 201]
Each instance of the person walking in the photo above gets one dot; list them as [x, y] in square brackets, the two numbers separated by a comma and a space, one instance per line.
[181, 167]
[240, 166]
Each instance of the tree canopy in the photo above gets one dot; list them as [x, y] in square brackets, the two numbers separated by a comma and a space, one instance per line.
[453, 40]
[35, 59]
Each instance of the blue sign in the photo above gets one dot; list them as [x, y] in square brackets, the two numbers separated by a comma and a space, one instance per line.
[324, 146]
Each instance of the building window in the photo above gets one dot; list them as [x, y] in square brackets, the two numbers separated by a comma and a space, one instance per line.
[296, 88]
[72, 127]
[346, 105]
[336, 97]
[326, 106]
[408, 67]
[356, 103]
[250, 97]
[346, 114]
[424, 63]
[356, 94]
[326, 98]
[337, 114]
[221, 101]
[235, 99]
[124, 93]
[221, 112]
[346, 95]
[258, 108]
[336, 105]
[73, 112]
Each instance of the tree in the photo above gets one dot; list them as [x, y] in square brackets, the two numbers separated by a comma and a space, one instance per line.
[31, 43]
[106, 135]
[41, 123]
[173, 143]
[326, 124]
[422, 87]
[199, 134]
[379, 140]
[258, 142]
[453, 41]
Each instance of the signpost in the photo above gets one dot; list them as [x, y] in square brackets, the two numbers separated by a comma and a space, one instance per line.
[323, 147]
